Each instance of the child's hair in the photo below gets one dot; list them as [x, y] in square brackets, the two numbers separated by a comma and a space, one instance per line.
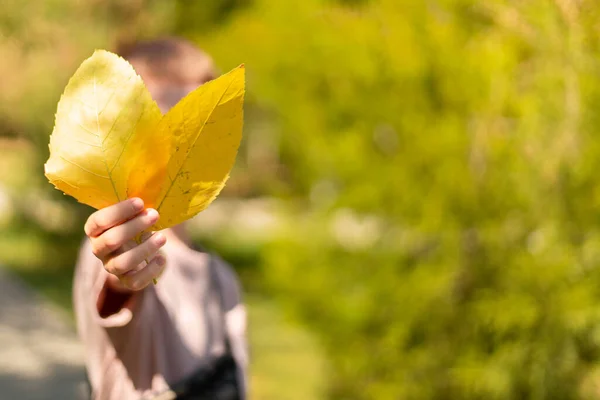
[169, 63]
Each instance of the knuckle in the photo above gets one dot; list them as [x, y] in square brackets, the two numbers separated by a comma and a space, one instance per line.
[144, 249]
[109, 267]
[121, 265]
[136, 284]
[131, 210]
[86, 228]
[99, 223]
[117, 267]
[125, 281]
[142, 222]
[90, 227]
[95, 250]
[149, 258]
[111, 241]
[150, 249]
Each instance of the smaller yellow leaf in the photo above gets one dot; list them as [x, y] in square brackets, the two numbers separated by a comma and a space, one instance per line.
[206, 129]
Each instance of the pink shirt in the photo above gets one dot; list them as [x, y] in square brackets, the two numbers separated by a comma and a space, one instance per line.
[164, 332]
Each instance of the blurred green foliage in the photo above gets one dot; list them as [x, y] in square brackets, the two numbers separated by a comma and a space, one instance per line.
[436, 163]
[440, 160]
[42, 42]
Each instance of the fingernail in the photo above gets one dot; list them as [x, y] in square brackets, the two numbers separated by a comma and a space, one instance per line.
[138, 204]
[159, 239]
[152, 214]
[160, 260]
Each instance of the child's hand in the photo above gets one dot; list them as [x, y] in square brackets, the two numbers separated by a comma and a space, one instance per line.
[111, 231]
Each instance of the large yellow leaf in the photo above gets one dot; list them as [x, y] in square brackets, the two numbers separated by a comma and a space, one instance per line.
[111, 142]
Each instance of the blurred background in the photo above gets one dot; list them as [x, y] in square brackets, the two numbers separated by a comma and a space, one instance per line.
[415, 209]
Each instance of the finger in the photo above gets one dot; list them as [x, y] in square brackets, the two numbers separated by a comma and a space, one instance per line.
[116, 237]
[142, 278]
[106, 218]
[130, 260]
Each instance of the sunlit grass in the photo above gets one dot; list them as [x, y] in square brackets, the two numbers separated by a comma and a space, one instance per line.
[286, 363]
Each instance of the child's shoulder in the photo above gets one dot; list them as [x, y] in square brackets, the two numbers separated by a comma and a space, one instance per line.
[227, 280]
[224, 272]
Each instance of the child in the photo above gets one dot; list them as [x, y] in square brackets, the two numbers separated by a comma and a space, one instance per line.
[183, 338]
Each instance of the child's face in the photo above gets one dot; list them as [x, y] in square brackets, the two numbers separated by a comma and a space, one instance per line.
[166, 94]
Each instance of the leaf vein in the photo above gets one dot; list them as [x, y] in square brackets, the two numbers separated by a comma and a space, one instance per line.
[85, 129]
[116, 120]
[82, 168]
[87, 143]
[112, 182]
[127, 141]
[194, 144]
[83, 103]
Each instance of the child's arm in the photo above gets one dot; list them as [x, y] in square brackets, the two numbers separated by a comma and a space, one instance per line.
[111, 231]
[235, 319]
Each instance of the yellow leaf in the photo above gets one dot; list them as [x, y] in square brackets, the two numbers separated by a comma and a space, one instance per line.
[111, 142]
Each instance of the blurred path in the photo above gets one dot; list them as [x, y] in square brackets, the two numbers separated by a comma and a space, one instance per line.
[40, 356]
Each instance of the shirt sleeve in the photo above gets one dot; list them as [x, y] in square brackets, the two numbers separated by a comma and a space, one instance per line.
[235, 318]
[90, 291]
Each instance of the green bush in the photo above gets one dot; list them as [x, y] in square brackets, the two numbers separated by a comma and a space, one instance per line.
[440, 158]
